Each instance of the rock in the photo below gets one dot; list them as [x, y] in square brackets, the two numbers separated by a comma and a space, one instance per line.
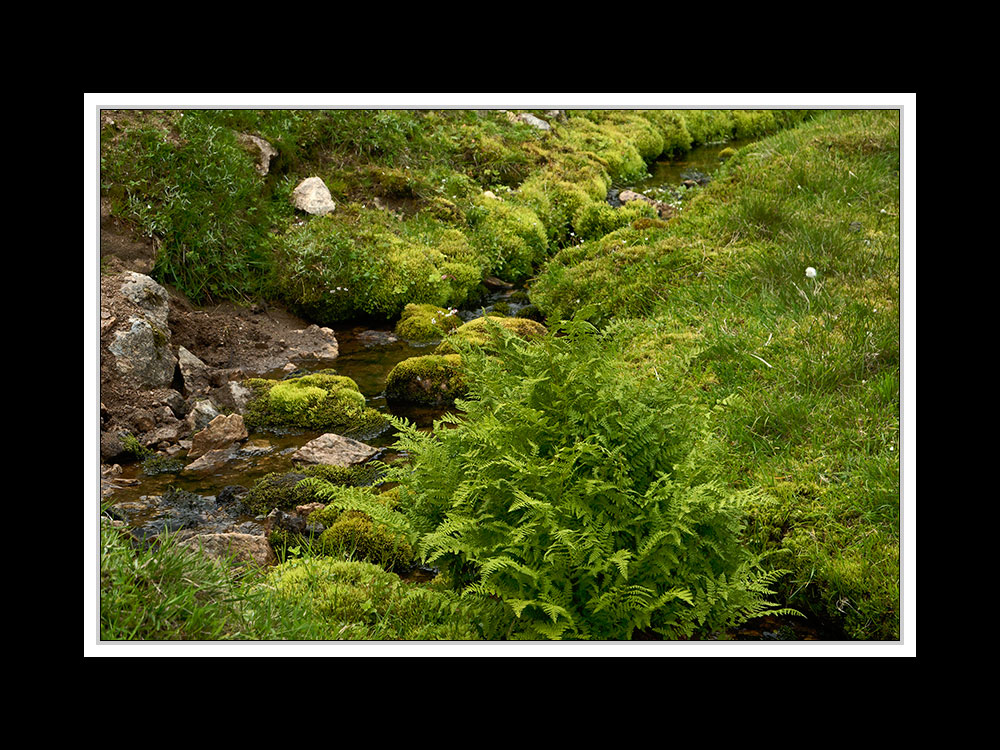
[308, 509]
[146, 294]
[203, 412]
[196, 374]
[313, 343]
[168, 433]
[142, 352]
[111, 446]
[240, 547]
[372, 338]
[664, 210]
[333, 450]
[535, 122]
[232, 396]
[265, 150]
[210, 460]
[221, 432]
[493, 282]
[313, 196]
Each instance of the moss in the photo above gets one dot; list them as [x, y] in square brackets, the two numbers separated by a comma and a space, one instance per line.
[598, 219]
[432, 380]
[612, 147]
[423, 323]
[361, 601]
[320, 401]
[283, 491]
[509, 238]
[355, 534]
[477, 331]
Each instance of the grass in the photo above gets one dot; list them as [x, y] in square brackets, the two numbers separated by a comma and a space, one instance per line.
[804, 372]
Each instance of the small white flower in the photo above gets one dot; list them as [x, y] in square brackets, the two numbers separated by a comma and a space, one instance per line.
[811, 273]
[883, 211]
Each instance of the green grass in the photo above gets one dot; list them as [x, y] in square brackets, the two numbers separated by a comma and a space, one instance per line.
[804, 372]
[166, 592]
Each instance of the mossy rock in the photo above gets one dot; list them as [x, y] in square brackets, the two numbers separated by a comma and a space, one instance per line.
[320, 401]
[477, 331]
[423, 323]
[355, 534]
[432, 380]
[284, 491]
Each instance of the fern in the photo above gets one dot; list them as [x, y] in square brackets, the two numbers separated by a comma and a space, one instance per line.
[576, 495]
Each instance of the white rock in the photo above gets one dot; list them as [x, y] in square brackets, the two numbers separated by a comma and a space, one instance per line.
[313, 196]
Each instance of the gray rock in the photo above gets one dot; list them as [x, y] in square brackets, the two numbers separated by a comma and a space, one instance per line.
[535, 122]
[203, 412]
[145, 293]
[265, 151]
[240, 547]
[197, 375]
[210, 460]
[142, 353]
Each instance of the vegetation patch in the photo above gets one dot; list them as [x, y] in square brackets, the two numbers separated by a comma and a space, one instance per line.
[424, 323]
[581, 499]
[320, 401]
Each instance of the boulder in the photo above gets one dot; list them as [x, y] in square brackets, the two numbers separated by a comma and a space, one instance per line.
[265, 151]
[210, 460]
[313, 196]
[333, 450]
[535, 122]
[221, 432]
[142, 353]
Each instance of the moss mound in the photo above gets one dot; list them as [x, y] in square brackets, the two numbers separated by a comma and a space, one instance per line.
[320, 401]
[477, 331]
[361, 601]
[432, 380]
[423, 323]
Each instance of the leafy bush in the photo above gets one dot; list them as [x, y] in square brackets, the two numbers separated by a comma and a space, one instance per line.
[579, 497]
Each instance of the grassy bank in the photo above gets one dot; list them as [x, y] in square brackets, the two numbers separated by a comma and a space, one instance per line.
[803, 370]
[790, 380]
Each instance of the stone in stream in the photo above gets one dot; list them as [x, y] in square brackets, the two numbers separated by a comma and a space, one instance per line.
[333, 450]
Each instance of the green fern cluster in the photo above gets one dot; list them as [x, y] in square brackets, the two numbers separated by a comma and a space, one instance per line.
[578, 496]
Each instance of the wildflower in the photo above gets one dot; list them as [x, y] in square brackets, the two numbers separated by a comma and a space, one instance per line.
[811, 273]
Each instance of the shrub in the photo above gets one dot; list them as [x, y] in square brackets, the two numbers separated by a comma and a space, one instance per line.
[579, 498]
